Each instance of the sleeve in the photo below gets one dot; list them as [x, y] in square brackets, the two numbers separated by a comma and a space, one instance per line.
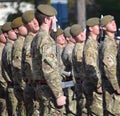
[5, 69]
[50, 69]
[92, 69]
[16, 61]
[109, 61]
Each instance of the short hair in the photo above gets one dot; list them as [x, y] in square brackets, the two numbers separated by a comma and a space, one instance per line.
[40, 17]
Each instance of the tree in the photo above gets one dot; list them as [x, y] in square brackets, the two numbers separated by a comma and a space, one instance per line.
[81, 12]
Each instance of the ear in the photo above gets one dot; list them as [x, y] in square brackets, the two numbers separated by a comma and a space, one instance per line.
[16, 30]
[45, 20]
[90, 28]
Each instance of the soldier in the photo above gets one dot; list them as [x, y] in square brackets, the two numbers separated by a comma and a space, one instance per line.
[60, 44]
[78, 34]
[92, 83]
[19, 84]
[3, 84]
[32, 26]
[109, 53]
[7, 68]
[67, 60]
[45, 67]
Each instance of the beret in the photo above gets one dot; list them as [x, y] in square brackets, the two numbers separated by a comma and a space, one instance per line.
[66, 32]
[6, 27]
[59, 31]
[76, 29]
[106, 19]
[93, 21]
[28, 16]
[17, 23]
[47, 10]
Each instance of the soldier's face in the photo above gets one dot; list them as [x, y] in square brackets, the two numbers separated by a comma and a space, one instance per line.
[22, 30]
[61, 39]
[95, 29]
[111, 27]
[12, 35]
[81, 37]
[33, 25]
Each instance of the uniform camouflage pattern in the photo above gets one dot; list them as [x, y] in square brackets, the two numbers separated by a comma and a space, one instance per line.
[69, 92]
[45, 67]
[67, 56]
[110, 82]
[7, 75]
[17, 74]
[79, 75]
[29, 92]
[93, 77]
[3, 86]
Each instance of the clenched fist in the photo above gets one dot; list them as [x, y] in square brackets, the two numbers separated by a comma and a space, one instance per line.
[61, 101]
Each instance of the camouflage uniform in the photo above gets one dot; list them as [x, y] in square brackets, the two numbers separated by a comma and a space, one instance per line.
[7, 75]
[93, 77]
[79, 75]
[17, 74]
[3, 86]
[69, 92]
[110, 81]
[29, 93]
[45, 71]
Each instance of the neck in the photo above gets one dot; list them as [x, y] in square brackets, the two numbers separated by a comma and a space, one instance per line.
[112, 35]
[45, 27]
[12, 41]
[95, 37]
[32, 33]
[61, 45]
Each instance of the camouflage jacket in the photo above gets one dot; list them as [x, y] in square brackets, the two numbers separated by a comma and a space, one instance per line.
[92, 61]
[7, 62]
[26, 58]
[109, 52]
[16, 59]
[45, 66]
[67, 56]
[78, 61]
[2, 81]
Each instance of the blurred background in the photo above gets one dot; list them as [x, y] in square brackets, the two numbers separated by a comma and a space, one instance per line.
[69, 11]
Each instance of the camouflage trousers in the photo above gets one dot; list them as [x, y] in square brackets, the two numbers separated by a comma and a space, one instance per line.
[70, 102]
[3, 108]
[94, 101]
[11, 101]
[97, 105]
[80, 100]
[31, 104]
[47, 102]
[112, 104]
[20, 105]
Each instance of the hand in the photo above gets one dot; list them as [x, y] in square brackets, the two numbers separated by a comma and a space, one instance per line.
[61, 101]
[99, 90]
[118, 91]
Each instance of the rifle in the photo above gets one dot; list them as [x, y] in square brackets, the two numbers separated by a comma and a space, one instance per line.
[101, 31]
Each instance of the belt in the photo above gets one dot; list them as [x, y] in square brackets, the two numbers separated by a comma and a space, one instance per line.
[42, 82]
[67, 84]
